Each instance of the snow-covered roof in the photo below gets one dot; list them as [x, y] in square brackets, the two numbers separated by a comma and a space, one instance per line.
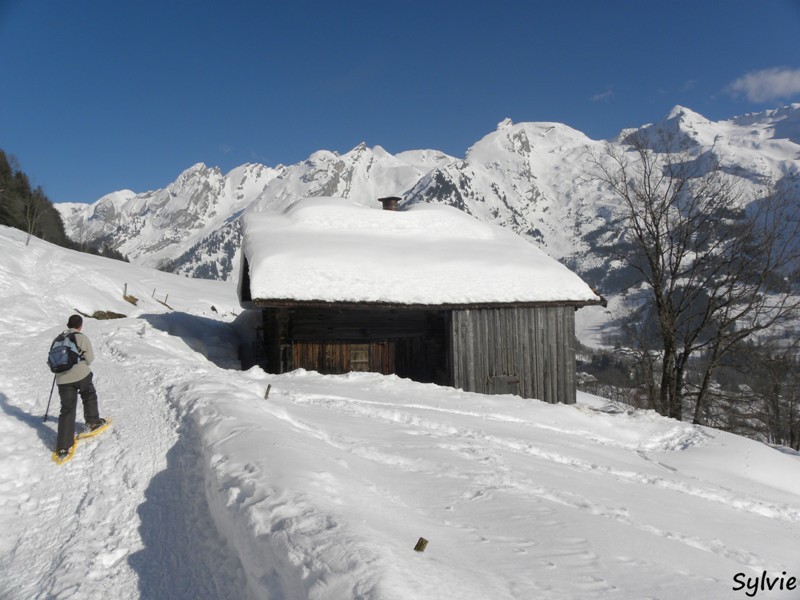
[334, 250]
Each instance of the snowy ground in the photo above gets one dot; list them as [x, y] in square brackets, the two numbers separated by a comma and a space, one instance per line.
[204, 489]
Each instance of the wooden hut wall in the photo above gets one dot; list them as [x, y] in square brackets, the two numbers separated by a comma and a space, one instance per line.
[525, 351]
[334, 358]
[410, 343]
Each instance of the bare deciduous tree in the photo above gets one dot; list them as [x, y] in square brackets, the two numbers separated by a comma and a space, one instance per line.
[33, 211]
[713, 254]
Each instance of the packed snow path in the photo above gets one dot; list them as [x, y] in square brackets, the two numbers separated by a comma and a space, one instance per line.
[140, 483]
[204, 488]
[127, 517]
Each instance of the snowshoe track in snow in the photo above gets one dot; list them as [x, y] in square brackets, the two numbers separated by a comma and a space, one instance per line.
[139, 481]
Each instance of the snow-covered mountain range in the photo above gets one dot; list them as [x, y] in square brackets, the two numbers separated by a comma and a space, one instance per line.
[530, 177]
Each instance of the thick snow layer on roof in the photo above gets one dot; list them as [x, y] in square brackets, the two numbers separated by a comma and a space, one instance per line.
[334, 250]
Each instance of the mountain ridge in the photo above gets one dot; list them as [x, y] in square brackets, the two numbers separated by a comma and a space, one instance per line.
[531, 177]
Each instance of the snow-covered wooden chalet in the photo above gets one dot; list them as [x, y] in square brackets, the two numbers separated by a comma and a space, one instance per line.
[429, 293]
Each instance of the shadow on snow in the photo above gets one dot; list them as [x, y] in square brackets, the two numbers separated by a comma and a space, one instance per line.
[216, 340]
[46, 434]
[184, 557]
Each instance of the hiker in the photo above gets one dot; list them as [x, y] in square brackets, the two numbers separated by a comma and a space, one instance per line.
[77, 380]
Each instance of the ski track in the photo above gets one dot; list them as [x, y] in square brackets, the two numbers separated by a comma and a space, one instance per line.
[120, 485]
[679, 438]
[484, 449]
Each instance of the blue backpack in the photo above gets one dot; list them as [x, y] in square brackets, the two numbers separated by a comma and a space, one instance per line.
[64, 353]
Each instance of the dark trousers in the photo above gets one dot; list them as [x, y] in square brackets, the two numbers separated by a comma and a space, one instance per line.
[69, 401]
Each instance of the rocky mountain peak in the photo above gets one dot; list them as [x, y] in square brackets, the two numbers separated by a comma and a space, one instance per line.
[530, 177]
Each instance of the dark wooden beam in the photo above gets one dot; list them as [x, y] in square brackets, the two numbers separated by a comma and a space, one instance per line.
[283, 303]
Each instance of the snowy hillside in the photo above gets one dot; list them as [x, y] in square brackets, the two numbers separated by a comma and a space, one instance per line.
[529, 177]
[205, 489]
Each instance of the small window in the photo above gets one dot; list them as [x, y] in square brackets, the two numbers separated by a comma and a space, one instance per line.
[359, 357]
[503, 384]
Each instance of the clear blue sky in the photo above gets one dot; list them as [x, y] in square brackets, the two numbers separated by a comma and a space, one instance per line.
[102, 95]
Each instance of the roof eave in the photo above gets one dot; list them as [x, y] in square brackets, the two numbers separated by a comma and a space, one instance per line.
[288, 303]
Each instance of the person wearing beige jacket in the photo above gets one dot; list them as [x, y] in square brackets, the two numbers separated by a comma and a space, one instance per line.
[77, 380]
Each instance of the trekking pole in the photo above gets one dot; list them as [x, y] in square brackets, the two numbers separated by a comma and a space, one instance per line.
[47, 410]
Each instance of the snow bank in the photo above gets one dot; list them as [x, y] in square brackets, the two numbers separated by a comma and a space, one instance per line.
[325, 487]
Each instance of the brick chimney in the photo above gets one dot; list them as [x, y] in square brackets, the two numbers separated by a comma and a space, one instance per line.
[390, 202]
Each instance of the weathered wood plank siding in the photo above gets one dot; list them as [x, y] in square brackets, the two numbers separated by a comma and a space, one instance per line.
[409, 343]
[336, 358]
[522, 350]
[526, 351]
